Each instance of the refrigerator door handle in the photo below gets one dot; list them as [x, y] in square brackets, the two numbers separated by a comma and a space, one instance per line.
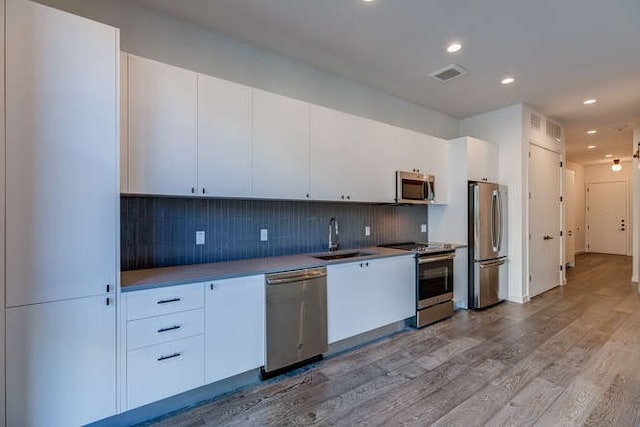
[492, 264]
[494, 225]
[500, 225]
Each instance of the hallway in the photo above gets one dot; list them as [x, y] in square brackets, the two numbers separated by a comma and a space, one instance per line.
[567, 357]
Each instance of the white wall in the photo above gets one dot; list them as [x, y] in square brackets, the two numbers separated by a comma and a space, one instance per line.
[2, 220]
[603, 173]
[635, 241]
[579, 207]
[504, 127]
[153, 34]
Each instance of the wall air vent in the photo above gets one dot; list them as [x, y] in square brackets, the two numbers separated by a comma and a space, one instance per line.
[536, 122]
[554, 131]
[449, 72]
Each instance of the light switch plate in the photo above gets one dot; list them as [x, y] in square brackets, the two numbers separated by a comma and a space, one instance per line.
[423, 228]
[367, 230]
[264, 234]
[199, 237]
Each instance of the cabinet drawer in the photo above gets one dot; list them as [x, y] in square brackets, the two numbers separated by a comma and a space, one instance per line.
[156, 302]
[163, 370]
[170, 327]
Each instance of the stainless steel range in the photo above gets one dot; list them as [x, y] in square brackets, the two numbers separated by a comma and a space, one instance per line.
[434, 280]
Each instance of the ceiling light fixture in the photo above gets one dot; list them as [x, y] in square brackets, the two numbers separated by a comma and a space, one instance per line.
[590, 101]
[591, 147]
[508, 80]
[453, 47]
[616, 166]
[608, 156]
[592, 132]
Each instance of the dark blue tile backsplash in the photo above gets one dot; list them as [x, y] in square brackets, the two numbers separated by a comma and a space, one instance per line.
[160, 231]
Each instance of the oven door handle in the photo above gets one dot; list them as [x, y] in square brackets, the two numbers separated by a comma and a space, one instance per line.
[426, 260]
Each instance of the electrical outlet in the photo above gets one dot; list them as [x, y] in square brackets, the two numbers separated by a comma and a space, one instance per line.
[264, 235]
[423, 228]
[367, 230]
[199, 237]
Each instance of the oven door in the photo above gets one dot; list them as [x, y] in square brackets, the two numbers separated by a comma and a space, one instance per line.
[435, 279]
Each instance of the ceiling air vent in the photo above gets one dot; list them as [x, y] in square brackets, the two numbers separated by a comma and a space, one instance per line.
[536, 122]
[449, 72]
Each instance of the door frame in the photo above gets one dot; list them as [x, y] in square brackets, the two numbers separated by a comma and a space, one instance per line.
[561, 214]
[626, 212]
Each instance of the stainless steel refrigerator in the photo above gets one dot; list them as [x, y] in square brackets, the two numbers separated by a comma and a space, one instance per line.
[487, 239]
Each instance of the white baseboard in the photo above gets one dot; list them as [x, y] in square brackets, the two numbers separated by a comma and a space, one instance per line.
[520, 299]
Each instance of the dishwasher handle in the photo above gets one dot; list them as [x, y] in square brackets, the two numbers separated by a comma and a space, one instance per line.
[292, 278]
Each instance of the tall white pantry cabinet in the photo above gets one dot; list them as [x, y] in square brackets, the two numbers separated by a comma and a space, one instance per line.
[62, 216]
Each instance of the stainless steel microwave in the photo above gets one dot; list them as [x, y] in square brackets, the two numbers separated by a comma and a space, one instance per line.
[415, 188]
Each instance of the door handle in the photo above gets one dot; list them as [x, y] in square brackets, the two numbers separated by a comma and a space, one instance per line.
[547, 237]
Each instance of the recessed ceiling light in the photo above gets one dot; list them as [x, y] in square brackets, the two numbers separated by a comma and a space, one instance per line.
[508, 80]
[608, 155]
[591, 147]
[592, 132]
[453, 47]
[590, 101]
[367, 1]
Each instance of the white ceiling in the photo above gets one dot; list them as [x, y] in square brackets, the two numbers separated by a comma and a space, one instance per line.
[560, 51]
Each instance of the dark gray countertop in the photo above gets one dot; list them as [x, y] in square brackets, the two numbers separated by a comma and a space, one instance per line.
[169, 276]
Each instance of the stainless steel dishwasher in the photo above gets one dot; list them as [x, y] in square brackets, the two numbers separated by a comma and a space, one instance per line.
[296, 319]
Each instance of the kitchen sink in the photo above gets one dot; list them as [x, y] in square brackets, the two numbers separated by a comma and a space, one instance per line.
[342, 255]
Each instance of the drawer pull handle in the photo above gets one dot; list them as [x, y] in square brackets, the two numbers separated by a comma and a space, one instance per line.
[172, 328]
[171, 356]
[167, 301]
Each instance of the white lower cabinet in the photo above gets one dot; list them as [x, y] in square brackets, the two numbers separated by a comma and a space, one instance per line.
[165, 342]
[234, 326]
[163, 370]
[362, 296]
[61, 362]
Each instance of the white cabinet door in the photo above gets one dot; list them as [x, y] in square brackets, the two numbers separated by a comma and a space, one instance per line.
[482, 160]
[224, 138]
[330, 131]
[162, 128]
[371, 176]
[234, 326]
[280, 146]
[393, 293]
[61, 363]
[61, 154]
[362, 296]
[124, 122]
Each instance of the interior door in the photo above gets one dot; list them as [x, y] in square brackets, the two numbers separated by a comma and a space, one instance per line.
[544, 220]
[570, 215]
[607, 217]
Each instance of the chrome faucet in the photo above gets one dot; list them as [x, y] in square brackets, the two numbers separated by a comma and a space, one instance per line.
[333, 235]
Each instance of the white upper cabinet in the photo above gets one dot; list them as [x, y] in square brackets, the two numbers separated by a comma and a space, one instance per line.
[124, 122]
[61, 155]
[330, 133]
[162, 128]
[482, 160]
[280, 166]
[350, 157]
[224, 138]
[371, 174]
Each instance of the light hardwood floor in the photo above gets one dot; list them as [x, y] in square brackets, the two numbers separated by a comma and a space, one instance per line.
[567, 357]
